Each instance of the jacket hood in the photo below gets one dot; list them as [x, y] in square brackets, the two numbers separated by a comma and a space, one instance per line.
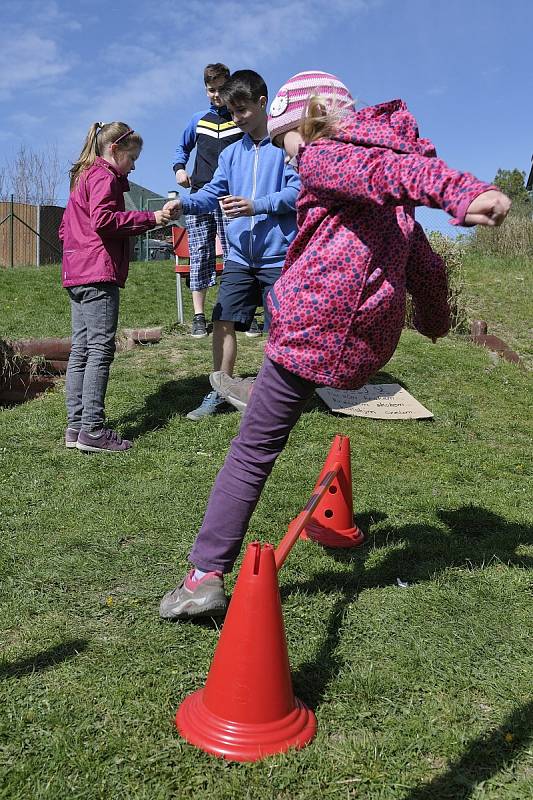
[123, 181]
[388, 125]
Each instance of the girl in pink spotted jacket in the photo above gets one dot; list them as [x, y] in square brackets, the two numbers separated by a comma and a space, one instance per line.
[338, 307]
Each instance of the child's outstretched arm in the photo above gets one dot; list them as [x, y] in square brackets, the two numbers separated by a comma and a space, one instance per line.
[427, 283]
[347, 173]
[206, 199]
[107, 219]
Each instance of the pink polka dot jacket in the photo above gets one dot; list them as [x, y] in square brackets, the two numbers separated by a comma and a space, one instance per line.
[338, 308]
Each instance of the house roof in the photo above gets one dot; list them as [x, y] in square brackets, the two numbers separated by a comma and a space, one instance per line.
[138, 196]
[529, 183]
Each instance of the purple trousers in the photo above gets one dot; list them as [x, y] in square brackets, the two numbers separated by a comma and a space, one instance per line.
[277, 400]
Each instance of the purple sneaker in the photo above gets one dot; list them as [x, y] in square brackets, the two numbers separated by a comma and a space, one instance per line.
[71, 437]
[105, 440]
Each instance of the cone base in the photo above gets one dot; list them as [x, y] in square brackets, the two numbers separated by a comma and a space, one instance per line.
[328, 537]
[243, 741]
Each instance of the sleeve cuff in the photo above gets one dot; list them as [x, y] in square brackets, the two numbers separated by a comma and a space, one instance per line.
[261, 206]
[462, 208]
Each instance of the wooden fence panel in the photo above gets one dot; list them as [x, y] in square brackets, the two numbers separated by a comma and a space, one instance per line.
[29, 248]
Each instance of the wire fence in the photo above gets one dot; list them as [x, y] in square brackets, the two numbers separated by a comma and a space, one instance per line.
[155, 244]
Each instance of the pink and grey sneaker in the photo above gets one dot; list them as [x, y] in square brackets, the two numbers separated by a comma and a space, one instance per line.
[106, 441]
[194, 599]
[71, 437]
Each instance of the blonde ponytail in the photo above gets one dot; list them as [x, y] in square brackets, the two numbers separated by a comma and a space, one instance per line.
[319, 123]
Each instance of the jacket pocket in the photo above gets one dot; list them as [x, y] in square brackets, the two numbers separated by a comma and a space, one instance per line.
[273, 298]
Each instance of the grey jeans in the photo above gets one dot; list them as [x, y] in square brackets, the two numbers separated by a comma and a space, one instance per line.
[94, 310]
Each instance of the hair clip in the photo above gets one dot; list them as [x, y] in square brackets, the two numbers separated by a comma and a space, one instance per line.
[120, 138]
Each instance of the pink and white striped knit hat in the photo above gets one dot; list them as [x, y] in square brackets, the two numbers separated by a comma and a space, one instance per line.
[290, 103]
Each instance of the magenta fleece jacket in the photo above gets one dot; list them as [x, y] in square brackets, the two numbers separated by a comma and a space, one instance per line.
[95, 228]
[339, 306]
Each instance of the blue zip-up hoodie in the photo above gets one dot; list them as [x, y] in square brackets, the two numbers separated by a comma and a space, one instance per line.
[258, 172]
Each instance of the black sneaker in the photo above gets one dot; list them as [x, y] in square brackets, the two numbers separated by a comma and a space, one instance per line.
[254, 330]
[199, 328]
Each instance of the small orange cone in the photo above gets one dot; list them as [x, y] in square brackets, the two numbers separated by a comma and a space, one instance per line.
[332, 523]
[247, 709]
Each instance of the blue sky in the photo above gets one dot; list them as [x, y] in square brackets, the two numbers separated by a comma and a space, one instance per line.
[463, 67]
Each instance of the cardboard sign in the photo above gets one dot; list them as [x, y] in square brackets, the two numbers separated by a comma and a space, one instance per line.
[375, 400]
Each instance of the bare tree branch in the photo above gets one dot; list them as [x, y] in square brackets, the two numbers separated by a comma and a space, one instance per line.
[34, 176]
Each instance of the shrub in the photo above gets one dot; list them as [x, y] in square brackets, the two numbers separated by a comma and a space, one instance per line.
[13, 365]
[513, 238]
[452, 252]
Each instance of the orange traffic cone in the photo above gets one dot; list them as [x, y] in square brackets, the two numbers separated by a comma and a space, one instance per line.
[247, 709]
[332, 523]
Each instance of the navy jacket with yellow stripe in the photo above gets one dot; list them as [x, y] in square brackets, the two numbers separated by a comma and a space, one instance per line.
[210, 132]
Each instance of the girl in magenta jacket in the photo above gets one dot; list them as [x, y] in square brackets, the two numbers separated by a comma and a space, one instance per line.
[338, 307]
[95, 230]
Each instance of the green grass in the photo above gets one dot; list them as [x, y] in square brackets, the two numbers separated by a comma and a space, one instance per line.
[501, 293]
[421, 693]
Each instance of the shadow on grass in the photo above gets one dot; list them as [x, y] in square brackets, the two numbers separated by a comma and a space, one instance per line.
[484, 757]
[181, 396]
[43, 661]
[473, 537]
[171, 398]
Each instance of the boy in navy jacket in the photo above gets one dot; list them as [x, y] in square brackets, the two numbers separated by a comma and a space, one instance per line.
[257, 192]
[210, 132]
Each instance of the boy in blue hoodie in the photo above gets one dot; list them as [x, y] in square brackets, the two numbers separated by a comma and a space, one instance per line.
[210, 132]
[257, 191]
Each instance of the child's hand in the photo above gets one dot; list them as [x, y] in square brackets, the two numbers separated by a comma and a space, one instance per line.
[182, 179]
[488, 208]
[174, 207]
[162, 217]
[233, 207]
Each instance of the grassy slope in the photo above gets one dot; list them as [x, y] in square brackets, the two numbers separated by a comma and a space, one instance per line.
[420, 693]
[501, 293]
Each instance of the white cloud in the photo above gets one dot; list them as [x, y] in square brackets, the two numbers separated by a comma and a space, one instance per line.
[28, 60]
[86, 62]
[178, 43]
[26, 121]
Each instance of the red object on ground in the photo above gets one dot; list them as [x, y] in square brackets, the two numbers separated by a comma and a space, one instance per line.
[180, 243]
[479, 335]
[332, 523]
[53, 349]
[247, 709]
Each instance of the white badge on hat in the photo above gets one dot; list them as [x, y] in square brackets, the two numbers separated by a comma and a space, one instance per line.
[279, 104]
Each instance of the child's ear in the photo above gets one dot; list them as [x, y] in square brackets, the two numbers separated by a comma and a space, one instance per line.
[262, 102]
